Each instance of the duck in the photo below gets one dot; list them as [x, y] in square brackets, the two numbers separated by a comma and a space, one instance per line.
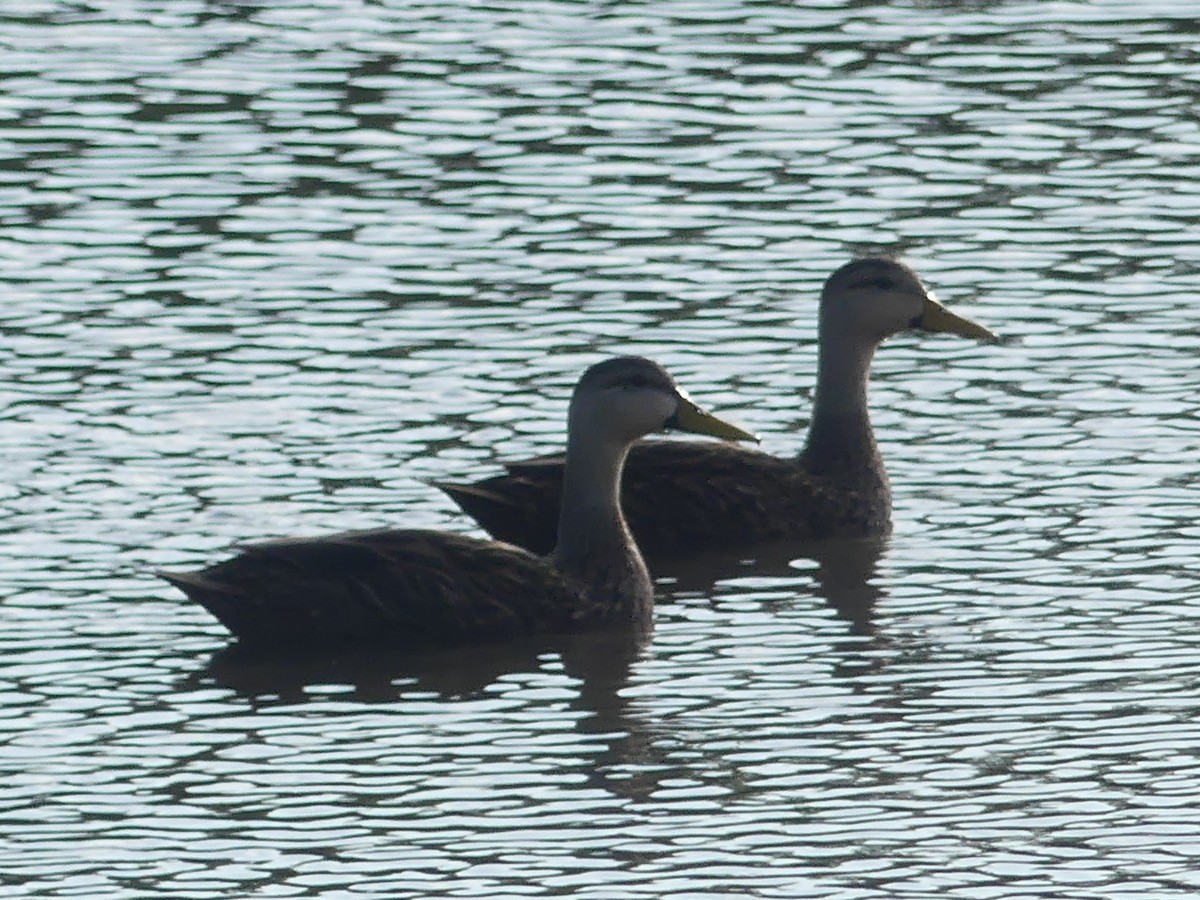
[685, 498]
[411, 587]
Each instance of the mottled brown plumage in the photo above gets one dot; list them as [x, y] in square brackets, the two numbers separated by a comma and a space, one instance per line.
[685, 497]
[424, 586]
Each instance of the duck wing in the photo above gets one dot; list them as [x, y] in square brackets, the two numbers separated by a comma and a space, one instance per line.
[405, 587]
[679, 497]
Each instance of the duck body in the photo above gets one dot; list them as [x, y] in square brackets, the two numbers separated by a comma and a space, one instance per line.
[684, 497]
[405, 587]
[414, 586]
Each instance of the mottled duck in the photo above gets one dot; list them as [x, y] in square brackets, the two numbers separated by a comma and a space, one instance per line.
[407, 586]
[686, 497]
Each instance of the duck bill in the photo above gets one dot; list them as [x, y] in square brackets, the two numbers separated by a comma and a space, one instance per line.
[935, 317]
[690, 417]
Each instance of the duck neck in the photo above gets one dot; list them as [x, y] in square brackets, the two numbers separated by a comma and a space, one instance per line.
[595, 547]
[840, 434]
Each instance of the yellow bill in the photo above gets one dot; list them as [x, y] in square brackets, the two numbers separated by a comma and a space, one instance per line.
[935, 317]
[690, 417]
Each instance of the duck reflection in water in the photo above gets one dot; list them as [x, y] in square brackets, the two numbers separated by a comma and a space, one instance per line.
[843, 571]
[599, 662]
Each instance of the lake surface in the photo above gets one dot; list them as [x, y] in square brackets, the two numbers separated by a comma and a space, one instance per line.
[268, 267]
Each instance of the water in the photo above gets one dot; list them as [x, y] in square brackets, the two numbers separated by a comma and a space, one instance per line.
[268, 267]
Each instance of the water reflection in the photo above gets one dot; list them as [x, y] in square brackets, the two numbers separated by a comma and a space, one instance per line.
[599, 662]
[374, 674]
[844, 573]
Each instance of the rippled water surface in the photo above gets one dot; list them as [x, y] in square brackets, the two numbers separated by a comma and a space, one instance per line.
[268, 267]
